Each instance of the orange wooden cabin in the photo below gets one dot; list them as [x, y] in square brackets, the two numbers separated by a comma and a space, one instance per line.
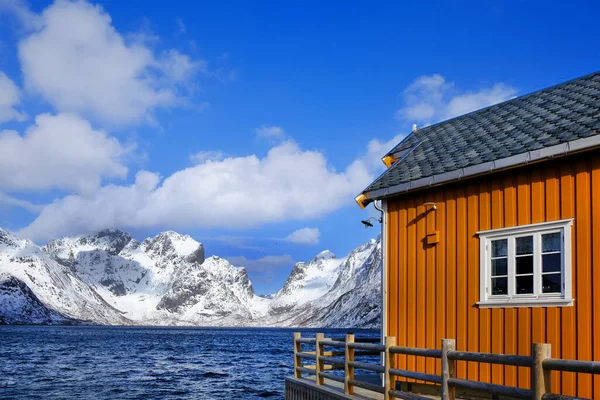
[490, 224]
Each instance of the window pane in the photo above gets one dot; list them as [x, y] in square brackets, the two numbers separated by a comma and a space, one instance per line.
[551, 283]
[499, 266]
[524, 284]
[551, 242]
[525, 245]
[551, 262]
[525, 265]
[500, 248]
[499, 286]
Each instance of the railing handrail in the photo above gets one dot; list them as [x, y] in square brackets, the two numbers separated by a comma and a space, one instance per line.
[558, 364]
[332, 343]
[491, 358]
[416, 351]
[540, 363]
[367, 346]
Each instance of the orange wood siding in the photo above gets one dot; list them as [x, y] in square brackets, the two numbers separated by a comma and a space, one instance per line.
[433, 289]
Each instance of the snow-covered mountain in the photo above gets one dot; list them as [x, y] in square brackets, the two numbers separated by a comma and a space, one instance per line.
[349, 291]
[55, 286]
[110, 278]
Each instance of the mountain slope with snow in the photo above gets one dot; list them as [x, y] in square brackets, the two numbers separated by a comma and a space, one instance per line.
[307, 281]
[53, 284]
[162, 280]
[110, 278]
[353, 300]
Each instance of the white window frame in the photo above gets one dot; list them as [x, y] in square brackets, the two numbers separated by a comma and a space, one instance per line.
[538, 298]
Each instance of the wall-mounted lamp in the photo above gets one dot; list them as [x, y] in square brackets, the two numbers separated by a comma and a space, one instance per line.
[431, 203]
[367, 222]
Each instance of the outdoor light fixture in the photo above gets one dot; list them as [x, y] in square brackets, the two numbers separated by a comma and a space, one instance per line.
[431, 203]
[367, 222]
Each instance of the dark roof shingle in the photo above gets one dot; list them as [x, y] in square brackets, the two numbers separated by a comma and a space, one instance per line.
[549, 117]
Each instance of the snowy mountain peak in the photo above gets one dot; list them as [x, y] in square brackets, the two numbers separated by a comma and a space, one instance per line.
[7, 239]
[169, 243]
[325, 255]
[110, 240]
[51, 286]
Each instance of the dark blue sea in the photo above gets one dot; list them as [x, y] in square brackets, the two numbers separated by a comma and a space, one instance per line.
[84, 362]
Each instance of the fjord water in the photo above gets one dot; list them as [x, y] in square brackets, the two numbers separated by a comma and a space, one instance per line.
[90, 362]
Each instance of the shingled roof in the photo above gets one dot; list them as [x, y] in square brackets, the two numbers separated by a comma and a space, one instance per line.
[553, 121]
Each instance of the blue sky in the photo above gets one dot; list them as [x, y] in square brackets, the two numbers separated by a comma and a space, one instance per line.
[248, 125]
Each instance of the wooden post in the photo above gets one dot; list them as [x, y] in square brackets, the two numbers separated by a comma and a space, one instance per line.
[318, 353]
[389, 363]
[297, 360]
[540, 377]
[348, 387]
[448, 369]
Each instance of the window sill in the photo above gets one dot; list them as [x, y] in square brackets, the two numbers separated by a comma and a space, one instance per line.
[525, 303]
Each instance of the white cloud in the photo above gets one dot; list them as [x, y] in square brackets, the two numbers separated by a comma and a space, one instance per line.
[468, 102]
[181, 28]
[14, 202]
[308, 236]
[262, 264]
[178, 67]
[262, 269]
[203, 156]
[10, 96]
[376, 149]
[287, 184]
[271, 133]
[59, 151]
[431, 99]
[80, 63]
[21, 12]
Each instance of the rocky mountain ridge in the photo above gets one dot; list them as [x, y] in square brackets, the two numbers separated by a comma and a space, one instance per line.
[110, 278]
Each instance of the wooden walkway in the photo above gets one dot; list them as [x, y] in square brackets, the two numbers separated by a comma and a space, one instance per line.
[306, 388]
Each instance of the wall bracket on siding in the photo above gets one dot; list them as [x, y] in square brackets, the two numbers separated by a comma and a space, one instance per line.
[433, 238]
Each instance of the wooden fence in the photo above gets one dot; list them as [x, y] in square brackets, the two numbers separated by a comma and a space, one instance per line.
[540, 362]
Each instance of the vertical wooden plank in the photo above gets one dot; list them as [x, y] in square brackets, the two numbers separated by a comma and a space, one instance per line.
[405, 323]
[523, 338]
[389, 363]
[473, 277]
[537, 196]
[540, 377]
[553, 328]
[297, 360]
[450, 239]
[349, 370]
[319, 365]
[430, 284]
[461, 282]
[538, 314]
[584, 273]
[523, 314]
[595, 168]
[497, 220]
[440, 274]
[569, 333]
[485, 324]
[411, 294]
[448, 370]
[393, 266]
[510, 314]
[421, 281]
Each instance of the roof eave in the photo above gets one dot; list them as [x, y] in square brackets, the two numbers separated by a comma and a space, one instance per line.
[484, 168]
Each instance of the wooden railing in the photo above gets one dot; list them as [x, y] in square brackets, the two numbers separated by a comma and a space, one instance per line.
[540, 362]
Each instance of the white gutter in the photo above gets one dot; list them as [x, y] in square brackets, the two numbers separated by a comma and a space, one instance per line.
[513, 161]
[384, 277]
[384, 271]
